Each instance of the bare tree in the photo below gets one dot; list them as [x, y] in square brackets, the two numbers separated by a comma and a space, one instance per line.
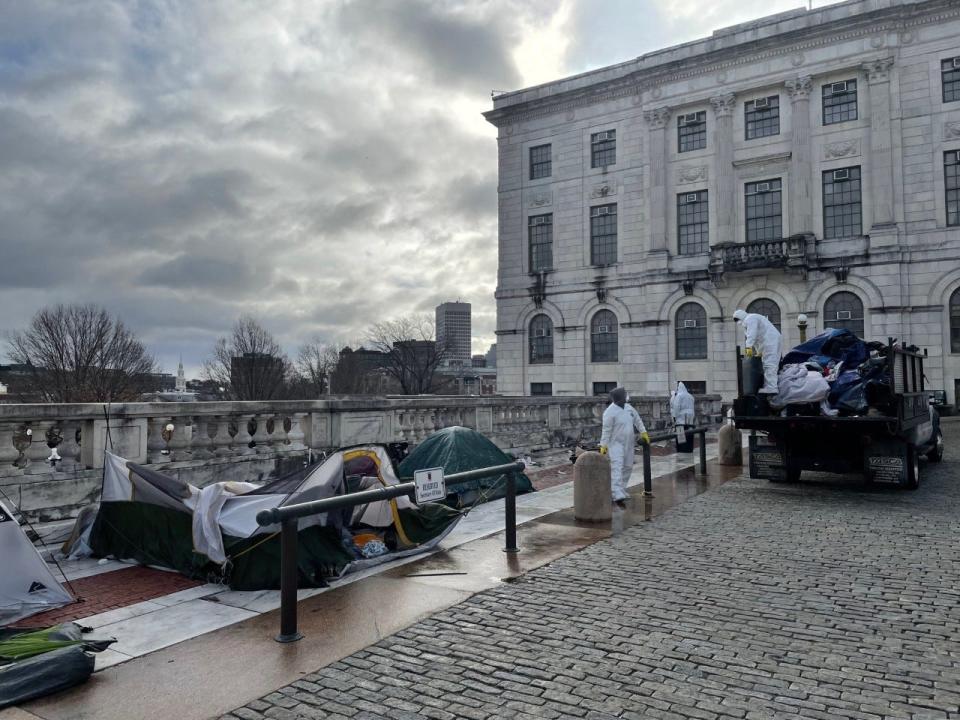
[412, 354]
[249, 362]
[80, 353]
[316, 361]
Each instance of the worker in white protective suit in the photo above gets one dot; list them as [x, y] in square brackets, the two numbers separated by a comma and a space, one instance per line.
[762, 339]
[620, 421]
[681, 406]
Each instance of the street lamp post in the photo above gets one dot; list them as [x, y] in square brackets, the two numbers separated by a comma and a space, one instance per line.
[802, 326]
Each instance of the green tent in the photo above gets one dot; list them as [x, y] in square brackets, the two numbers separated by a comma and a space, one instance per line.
[458, 449]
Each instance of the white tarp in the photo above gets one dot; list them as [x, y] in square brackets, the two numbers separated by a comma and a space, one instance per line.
[26, 584]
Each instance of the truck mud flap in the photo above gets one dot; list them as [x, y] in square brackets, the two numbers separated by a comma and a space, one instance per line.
[767, 460]
[886, 465]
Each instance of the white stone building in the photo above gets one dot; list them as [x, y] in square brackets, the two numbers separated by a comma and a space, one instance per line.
[803, 163]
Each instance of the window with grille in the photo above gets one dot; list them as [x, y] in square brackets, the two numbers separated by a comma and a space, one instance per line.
[693, 223]
[764, 210]
[839, 102]
[603, 388]
[768, 308]
[841, 203]
[762, 117]
[950, 78]
[541, 165]
[541, 242]
[695, 387]
[844, 310]
[692, 131]
[691, 331]
[955, 322]
[603, 148]
[603, 337]
[541, 388]
[951, 182]
[541, 340]
[603, 234]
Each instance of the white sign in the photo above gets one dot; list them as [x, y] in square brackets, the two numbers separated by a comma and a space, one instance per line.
[430, 485]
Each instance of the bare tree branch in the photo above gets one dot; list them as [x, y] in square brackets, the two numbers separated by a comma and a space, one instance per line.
[412, 353]
[250, 363]
[316, 361]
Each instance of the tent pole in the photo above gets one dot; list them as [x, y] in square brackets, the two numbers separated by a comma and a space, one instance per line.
[288, 582]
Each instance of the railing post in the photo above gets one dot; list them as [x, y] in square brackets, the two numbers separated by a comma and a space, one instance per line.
[703, 451]
[647, 472]
[510, 514]
[288, 582]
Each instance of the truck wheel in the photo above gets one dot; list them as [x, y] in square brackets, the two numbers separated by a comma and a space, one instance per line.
[793, 475]
[936, 453]
[913, 468]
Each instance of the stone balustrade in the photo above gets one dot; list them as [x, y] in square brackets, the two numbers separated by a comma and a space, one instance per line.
[51, 455]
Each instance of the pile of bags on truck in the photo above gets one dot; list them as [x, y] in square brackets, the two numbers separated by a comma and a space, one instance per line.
[834, 373]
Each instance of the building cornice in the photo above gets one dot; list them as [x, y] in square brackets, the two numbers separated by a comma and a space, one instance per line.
[792, 43]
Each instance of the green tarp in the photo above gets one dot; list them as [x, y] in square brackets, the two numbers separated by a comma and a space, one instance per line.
[458, 449]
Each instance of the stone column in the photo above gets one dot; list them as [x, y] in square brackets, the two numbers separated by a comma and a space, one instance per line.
[884, 229]
[725, 187]
[657, 121]
[801, 162]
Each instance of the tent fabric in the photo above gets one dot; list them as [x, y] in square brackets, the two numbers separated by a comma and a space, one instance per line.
[213, 533]
[832, 344]
[27, 586]
[458, 449]
[796, 384]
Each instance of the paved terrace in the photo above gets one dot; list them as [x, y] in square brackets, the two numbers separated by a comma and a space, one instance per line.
[754, 600]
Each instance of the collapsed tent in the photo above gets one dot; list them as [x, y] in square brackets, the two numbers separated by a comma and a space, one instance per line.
[212, 532]
[39, 661]
[458, 449]
[26, 584]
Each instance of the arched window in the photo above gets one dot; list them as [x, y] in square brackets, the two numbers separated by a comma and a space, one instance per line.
[603, 337]
[844, 310]
[691, 332]
[541, 340]
[955, 321]
[768, 308]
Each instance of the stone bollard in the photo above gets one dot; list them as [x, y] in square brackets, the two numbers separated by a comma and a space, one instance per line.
[729, 441]
[591, 488]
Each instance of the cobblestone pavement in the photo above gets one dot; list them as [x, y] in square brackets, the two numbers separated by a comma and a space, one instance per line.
[755, 600]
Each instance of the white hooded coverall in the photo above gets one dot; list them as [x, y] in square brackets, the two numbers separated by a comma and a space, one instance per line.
[762, 335]
[619, 424]
[681, 406]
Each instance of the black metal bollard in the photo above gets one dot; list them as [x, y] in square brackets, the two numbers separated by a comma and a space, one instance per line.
[288, 582]
[703, 451]
[647, 472]
[510, 514]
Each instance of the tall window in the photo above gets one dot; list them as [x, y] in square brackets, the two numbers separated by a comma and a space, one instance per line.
[603, 148]
[541, 389]
[692, 131]
[768, 308]
[764, 210]
[955, 322]
[839, 102]
[691, 332]
[951, 181]
[762, 117]
[603, 337]
[695, 387]
[541, 340]
[603, 388]
[541, 164]
[844, 310]
[603, 234]
[541, 242]
[950, 74]
[693, 223]
[841, 203]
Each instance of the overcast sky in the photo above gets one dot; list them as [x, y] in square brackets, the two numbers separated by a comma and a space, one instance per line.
[318, 164]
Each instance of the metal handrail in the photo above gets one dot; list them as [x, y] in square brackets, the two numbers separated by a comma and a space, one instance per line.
[647, 470]
[288, 515]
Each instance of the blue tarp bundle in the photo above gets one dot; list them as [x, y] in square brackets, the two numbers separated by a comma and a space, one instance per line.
[833, 344]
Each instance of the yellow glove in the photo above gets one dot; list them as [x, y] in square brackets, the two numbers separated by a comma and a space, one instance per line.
[603, 449]
[645, 437]
[748, 352]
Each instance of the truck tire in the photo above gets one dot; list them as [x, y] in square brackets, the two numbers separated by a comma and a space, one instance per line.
[936, 452]
[913, 468]
[793, 475]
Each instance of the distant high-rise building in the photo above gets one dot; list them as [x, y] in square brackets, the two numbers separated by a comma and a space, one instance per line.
[492, 356]
[453, 331]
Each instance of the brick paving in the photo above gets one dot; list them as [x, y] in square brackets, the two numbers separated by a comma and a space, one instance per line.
[755, 600]
[112, 590]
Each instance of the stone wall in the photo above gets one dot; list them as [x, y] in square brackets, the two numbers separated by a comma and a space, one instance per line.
[256, 441]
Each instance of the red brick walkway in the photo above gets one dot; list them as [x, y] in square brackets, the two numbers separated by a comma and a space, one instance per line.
[112, 590]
